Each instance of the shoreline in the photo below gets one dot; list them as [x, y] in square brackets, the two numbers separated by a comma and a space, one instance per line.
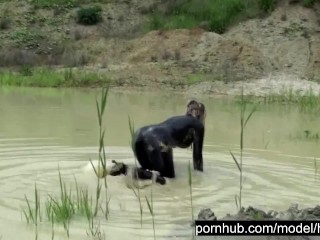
[91, 78]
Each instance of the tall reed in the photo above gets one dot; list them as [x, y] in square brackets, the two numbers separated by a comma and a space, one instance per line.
[243, 122]
[150, 207]
[190, 189]
[315, 169]
[137, 194]
[102, 154]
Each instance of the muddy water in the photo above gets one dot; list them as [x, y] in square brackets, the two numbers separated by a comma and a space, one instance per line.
[42, 129]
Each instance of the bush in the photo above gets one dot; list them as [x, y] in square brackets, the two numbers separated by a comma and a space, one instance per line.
[89, 15]
[4, 23]
[309, 3]
[267, 5]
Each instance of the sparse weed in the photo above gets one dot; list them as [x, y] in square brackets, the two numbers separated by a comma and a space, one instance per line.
[25, 36]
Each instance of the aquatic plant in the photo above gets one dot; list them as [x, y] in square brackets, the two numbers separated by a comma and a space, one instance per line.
[95, 231]
[150, 207]
[137, 194]
[102, 153]
[33, 214]
[315, 165]
[307, 102]
[59, 209]
[243, 123]
[52, 228]
[190, 189]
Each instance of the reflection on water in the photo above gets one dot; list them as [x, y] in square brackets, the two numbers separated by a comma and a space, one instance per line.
[41, 129]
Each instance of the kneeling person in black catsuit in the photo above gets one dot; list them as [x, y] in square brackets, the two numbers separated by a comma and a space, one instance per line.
[153, 144]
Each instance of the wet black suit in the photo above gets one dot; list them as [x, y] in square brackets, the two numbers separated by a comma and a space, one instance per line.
[153, 145]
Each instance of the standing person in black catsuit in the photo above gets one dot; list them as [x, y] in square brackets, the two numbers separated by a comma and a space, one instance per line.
[153, 144]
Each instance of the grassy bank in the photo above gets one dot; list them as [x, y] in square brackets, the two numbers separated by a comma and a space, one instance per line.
[46, 77]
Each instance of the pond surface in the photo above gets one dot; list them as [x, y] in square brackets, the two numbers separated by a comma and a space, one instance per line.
[41, 129]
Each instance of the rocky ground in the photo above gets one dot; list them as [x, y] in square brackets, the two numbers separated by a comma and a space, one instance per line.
[251, 213]
[271, 54]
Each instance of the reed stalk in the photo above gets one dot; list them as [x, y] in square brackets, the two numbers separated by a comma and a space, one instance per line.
[137, 194]
[243, 123]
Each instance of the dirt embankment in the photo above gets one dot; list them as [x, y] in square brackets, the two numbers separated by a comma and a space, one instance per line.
[278, 52]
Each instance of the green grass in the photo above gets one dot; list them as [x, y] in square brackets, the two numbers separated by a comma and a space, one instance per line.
[217, 15]
[53, 3]
[45, 77]
[63, 3]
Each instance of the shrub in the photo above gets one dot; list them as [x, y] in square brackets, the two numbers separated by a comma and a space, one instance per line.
[309, 3]
[267, 5]
[4, 23]
[89, 15]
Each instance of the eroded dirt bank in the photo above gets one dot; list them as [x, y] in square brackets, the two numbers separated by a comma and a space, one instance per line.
[275, 53]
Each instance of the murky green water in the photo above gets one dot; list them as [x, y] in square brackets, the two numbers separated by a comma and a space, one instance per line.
[42, 129]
